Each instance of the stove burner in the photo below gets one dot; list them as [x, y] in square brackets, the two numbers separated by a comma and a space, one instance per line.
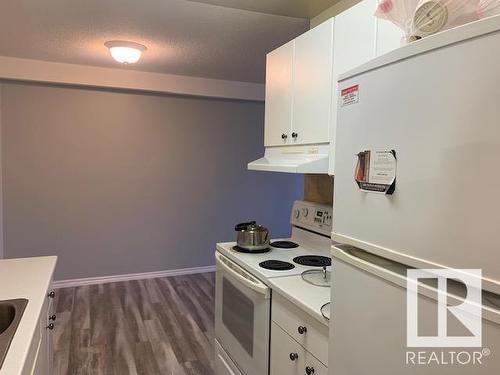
[313, 260]
[276, 265]
[242, 250]
[284, 244]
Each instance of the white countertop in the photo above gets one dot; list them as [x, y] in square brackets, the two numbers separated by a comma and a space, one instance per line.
[24, 278]
[306, 296]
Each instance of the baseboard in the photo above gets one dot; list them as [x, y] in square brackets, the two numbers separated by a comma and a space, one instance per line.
[131, 276]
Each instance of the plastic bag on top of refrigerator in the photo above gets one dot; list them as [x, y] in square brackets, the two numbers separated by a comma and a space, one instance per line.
[399, 12]
[488, 8]
[432, 16]
[420, 18]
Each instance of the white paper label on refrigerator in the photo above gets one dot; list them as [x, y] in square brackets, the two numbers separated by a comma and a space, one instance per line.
[349, 95]
[376, 171]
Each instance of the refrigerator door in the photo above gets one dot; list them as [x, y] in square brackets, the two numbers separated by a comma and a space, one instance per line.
[368, 326]
[436, 104]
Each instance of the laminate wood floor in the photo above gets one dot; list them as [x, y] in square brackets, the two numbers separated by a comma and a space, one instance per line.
[140, 327]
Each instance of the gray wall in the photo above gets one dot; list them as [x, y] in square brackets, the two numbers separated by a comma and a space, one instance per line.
[118, 183]
[1, 201]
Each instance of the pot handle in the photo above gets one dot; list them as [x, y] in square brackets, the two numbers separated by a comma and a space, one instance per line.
[242, 226]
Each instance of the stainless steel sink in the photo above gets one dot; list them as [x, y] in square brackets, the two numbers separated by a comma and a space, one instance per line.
[11, 312]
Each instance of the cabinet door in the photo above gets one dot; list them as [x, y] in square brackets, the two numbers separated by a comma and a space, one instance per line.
[43, 361]
[355, 36]
[41, 366]
[389, 37]
[287, 356]
[279, 85]
[354, 44]
[50, 318]
[313, 79]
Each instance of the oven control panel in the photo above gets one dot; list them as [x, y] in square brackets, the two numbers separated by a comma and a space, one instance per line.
[312, 216]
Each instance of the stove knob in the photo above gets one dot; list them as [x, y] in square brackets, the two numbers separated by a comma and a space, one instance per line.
[305, 211]
[296, 213]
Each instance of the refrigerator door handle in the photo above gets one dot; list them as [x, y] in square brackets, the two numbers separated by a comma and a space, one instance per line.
[395, 273]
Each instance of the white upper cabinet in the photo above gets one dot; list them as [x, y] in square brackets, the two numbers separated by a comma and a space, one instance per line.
[389, 37]
[312, 90]
[359, 36]
[279, 87]
[299, 80]
[355, 36]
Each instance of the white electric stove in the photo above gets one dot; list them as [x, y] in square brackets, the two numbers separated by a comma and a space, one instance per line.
[243, 288]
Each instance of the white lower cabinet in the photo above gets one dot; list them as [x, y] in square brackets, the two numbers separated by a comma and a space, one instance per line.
[299, 342]
[287, 356]
[303, 328]
[42, 364]
[291, 358]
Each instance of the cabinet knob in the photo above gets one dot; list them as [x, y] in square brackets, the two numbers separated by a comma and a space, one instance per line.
[53, 318]
[302, 330]
[51, 294]
[293, 356]
[295, 135]
[309, 370]
[50, 326]
[284, 136]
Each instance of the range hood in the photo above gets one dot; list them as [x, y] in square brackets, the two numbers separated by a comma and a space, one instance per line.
[293, 159]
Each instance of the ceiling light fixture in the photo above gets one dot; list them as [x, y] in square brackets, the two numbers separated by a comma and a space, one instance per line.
[125, 52]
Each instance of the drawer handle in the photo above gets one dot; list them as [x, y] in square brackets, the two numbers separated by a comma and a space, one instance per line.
[50, 326]
[309, 370]
[284, 136]
[302, 330]
[51, 294]
[295, 135]
[293, 356]
[53, 318]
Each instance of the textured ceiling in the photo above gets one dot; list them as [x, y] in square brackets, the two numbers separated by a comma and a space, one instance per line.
[291, 8]
[182, 37]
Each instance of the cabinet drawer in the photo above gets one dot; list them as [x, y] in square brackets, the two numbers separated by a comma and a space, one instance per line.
[315, 366]
[287, 356]
[314, 338]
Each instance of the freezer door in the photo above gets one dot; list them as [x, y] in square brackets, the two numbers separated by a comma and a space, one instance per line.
[368, 326]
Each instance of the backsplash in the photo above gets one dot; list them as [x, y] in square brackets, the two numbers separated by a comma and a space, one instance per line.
[318, 188]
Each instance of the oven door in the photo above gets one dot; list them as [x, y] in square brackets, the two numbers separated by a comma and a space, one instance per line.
[242, 316]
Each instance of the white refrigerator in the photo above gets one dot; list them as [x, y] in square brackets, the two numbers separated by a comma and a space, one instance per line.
[417, 186]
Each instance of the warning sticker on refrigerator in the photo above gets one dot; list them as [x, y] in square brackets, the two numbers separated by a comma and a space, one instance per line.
[376, 171]
[349, 96]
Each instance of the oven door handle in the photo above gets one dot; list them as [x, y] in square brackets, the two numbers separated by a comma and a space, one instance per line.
[241, 275]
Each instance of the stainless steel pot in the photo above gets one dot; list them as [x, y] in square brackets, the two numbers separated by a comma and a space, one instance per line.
[252, 237]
